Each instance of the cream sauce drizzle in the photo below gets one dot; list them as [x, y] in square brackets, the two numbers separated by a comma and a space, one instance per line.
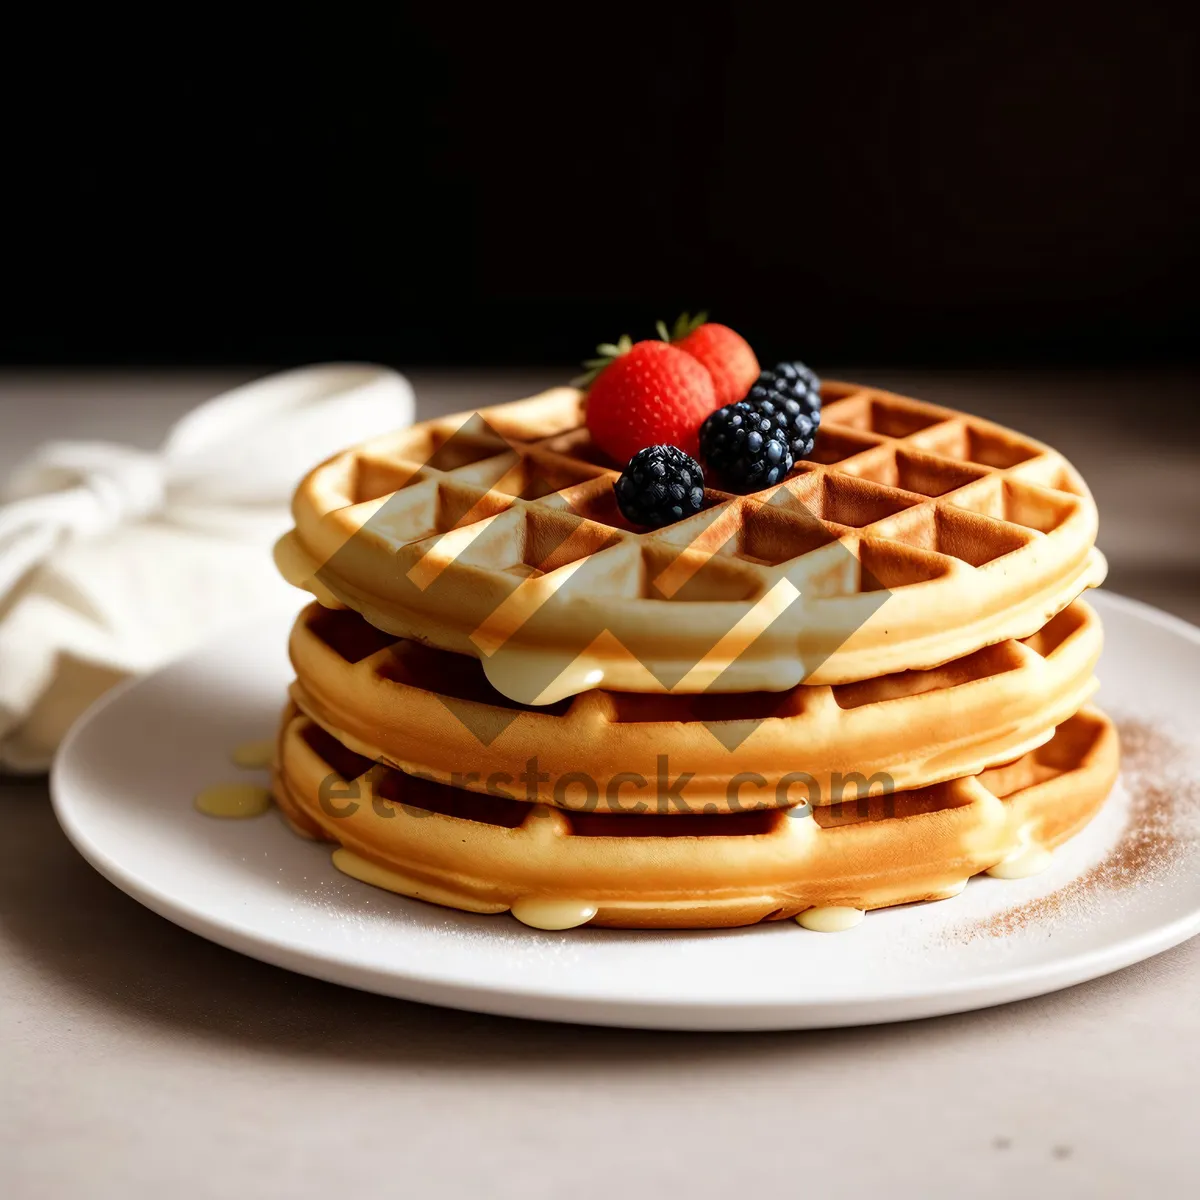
[835, 918]
[1027, 860]
[552, 914]
[362, 869]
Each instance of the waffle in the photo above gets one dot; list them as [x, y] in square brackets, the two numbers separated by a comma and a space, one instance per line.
[485, 854]
[433, 713]
[496, 534]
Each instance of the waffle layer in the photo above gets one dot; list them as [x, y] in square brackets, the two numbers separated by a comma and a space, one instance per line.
[916, 535]
[485, 854]
[434, 714]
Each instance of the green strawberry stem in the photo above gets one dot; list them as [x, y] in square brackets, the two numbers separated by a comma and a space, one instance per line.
[685, 323]
[608, 353]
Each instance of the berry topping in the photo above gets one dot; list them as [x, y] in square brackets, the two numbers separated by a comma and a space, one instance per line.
[746, 447]
[647, 393]
[726, 354]
[790, 395]
[660, 485]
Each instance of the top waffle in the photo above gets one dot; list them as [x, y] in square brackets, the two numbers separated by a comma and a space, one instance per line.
[914, 535]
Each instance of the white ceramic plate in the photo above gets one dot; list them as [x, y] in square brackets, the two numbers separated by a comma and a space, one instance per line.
[125, 779]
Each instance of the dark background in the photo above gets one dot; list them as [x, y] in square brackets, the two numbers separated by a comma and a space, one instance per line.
[948, 184]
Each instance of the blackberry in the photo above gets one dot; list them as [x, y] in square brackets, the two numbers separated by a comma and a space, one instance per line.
[790, 395]
[660, 485]
[748, 448]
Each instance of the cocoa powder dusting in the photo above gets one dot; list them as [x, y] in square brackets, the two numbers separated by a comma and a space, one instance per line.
[1160, 827]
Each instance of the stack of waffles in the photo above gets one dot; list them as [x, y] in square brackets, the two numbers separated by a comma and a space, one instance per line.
[855, 689]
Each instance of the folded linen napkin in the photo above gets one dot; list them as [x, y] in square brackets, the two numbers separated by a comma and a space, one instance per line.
[114, 560]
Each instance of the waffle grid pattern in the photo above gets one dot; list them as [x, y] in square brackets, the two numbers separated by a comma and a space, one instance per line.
[879, 463]
[939, 510]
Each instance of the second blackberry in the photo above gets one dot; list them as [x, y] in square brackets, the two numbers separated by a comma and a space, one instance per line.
[790, 395]
[746, 447]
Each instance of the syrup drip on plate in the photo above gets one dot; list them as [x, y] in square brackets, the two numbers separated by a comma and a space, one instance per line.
[234, 801]
[253, 755]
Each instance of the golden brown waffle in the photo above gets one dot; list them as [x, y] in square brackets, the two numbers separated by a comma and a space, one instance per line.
[496, 534]
[433, 713]
[485, 854]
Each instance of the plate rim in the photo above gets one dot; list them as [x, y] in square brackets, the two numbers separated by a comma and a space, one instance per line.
[593, 1006]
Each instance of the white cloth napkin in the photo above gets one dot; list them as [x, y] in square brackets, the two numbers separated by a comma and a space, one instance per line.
[114, 560]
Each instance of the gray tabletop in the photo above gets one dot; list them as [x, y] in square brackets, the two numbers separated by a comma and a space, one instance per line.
[136, 1058]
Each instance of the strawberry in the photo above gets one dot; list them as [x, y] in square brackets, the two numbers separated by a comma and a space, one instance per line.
[726, 354]
[647, 394]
